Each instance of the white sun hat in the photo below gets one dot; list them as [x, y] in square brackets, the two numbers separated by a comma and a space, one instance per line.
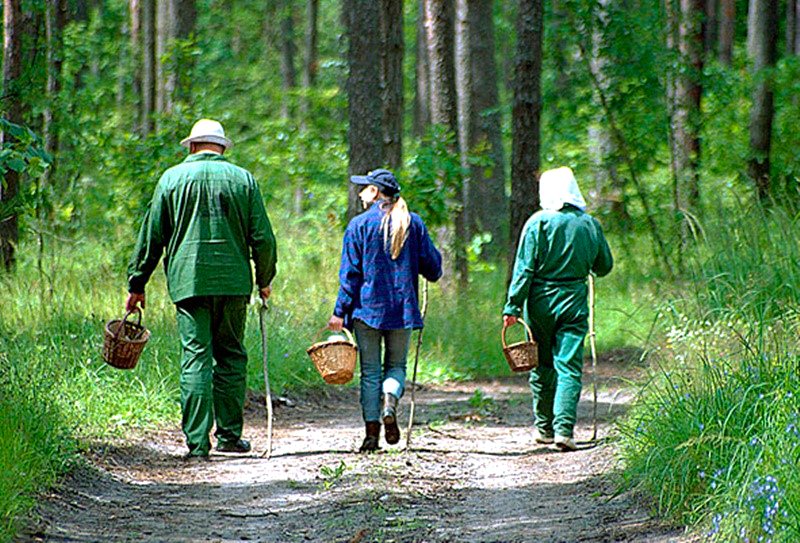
[207, 131]
[558, 187]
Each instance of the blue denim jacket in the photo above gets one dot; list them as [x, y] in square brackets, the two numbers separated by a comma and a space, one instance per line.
[381, 292]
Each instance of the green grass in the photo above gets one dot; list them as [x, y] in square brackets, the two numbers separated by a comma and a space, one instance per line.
[714, 437]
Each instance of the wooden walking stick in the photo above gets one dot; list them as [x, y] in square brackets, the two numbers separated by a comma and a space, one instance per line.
[262, 317]
[416, 361]
[593, 346]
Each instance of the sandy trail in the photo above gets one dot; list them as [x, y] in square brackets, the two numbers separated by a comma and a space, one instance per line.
[474, 474]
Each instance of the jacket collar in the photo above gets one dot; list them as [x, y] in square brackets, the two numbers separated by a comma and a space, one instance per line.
[203, 156]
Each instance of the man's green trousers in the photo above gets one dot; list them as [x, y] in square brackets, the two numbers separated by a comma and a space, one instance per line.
[213, 369]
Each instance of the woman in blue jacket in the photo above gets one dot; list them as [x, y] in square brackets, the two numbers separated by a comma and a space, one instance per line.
[384, 251]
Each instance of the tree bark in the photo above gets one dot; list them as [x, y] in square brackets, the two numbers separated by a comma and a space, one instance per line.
[685, 92]
[791, 27]
[525, 123]
[762, 26]
[12, 110]
[55, 20]
[165, 34]
[312, 63]
[487, 197]
[422, 95]
[288, 72]
[710, 27]
[727, 26]
[465, 110]
[148, 14]
[365, 130]
[392, 81]
[439, 28]
[179, 81]
[135, 10]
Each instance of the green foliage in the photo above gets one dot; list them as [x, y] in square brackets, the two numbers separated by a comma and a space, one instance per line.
[714, 434]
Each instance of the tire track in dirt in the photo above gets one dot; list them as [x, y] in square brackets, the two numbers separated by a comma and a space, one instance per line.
[474, 474]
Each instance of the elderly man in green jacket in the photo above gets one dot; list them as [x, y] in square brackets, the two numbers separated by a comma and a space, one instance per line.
[559, 246]
[207, 217]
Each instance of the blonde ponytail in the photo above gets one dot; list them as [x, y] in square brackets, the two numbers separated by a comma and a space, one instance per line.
[397, 219]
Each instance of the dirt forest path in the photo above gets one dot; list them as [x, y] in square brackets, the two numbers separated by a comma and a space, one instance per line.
[474, 475]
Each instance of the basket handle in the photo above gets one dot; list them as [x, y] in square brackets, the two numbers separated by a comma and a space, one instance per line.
[137, 310]
[527, 330]
[345, 330]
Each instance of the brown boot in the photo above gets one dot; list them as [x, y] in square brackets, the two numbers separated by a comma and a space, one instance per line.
[390, 430]
[370, 443]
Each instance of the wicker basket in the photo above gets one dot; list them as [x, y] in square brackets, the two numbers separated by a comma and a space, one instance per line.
[522, 356]
[335, 359]
[124, 341]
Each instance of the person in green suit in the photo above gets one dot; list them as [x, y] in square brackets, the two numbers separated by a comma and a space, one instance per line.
[208, 219]
[559, 246]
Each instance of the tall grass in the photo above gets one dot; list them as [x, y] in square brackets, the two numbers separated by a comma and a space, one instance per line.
[714, 437]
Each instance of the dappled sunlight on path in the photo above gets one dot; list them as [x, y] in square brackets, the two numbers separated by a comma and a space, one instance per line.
[474, 474]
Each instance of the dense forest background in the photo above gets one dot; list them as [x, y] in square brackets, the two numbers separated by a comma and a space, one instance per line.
[678, 118]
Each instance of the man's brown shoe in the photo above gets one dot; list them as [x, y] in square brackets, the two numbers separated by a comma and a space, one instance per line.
[390, 430]
[370, 443]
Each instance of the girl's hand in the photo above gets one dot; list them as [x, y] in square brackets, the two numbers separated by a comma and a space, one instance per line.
[335, 323]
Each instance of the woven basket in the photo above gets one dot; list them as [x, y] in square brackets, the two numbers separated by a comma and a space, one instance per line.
[335, 359]
[522, 356]
[124, 341]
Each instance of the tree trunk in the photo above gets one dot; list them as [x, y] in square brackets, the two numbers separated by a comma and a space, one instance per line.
[796, 26]
[288, 72]
[148, 65]
[525, 123]
[311, 64]
[710, 27]
[487, 197]
[12, 111]
[727, 27]
[165, 35]
[439, 27]
[791, 27]
[684, 93]
[55, 20]
[392, 81]
[135, 9]
[465, 110]
[179, 81]
[762, 27]
[422, 95]
[365, 130]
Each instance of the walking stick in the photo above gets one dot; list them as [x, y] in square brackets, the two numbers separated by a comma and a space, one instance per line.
[262, 317]
[593, 346]
[416, 361]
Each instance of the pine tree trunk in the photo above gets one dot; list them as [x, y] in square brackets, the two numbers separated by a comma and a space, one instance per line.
[439, 26]
[288, 71]
[148, 65]
[179, 81]
[55, 20]
[710, 27]
[762, 25]
[392, 81]
[687, 109]
[727, 27]
[465, 110]
[422, 94]
[135, 9]
[487, 197]
[365, 114]
[12, 111]
[525, 122]
[791, 27]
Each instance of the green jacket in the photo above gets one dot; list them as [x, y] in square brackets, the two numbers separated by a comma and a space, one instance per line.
[208, 218]
[556, 252]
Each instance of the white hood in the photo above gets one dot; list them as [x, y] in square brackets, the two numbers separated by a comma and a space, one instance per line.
[558, 187]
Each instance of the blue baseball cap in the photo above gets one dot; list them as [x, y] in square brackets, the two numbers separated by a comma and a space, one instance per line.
[383, 179]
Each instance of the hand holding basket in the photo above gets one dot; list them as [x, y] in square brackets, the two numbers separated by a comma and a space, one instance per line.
[124, 341]
[335, 359]
[522, 356]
